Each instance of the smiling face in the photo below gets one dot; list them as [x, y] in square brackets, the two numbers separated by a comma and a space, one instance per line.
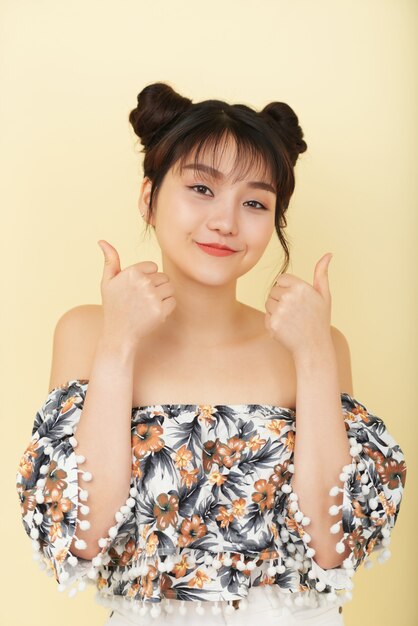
[204, 203]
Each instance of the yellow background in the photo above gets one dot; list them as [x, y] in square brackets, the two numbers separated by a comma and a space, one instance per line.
[70, 168]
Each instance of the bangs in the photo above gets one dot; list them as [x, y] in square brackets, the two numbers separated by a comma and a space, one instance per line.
[253, 156]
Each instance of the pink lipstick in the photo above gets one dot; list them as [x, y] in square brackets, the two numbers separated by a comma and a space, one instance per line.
[215, 251]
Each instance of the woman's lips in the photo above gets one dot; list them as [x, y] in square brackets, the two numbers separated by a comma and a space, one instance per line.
[215, 251]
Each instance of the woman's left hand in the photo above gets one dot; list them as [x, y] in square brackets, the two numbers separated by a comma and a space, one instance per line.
[299, 314]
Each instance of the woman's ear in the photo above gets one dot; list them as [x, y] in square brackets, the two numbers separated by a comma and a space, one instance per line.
[144, 198]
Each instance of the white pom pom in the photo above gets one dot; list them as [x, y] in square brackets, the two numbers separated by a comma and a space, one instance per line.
[155, 610]
[73, 441]
[113, 531]
[84, 524]
[39, 497]
[87, 476]
[340, 547]
[84, 509]
[199, 609]
[229, 609]
[80, 544]
[320, 585]
[34, 533]
[227, 561]
[83, 494]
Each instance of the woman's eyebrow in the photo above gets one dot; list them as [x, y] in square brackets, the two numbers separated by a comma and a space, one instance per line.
[201, 167]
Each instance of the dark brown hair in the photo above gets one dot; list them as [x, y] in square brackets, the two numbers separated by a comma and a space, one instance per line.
[170, 127]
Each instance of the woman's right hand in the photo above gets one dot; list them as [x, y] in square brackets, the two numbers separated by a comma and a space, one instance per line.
[135, 300]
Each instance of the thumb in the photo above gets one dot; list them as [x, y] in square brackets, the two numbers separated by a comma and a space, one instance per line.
[320, 281]
[111, 260]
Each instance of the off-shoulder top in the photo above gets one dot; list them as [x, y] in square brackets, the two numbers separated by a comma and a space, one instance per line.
[211, 511]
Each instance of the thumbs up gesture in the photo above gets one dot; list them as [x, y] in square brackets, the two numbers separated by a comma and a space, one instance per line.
[135, 300]
[299, 314]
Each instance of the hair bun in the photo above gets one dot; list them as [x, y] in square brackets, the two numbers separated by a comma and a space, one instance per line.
[158, 106]
[283, 118]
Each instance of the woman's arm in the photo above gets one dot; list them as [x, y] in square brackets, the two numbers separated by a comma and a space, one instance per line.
[74, 479]
[322, 447]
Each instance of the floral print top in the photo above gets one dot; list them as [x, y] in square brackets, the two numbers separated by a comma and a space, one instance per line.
[211, 511]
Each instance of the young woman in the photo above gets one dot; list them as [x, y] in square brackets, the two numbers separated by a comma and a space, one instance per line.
[222, 468]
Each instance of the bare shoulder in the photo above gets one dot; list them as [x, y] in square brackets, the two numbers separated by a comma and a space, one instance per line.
[342, 351]
[74, 344]
[283, 358]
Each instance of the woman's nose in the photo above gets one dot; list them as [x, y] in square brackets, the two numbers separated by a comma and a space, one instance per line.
[225, 219]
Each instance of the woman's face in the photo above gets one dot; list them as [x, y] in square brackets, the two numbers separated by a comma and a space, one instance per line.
[206, 207]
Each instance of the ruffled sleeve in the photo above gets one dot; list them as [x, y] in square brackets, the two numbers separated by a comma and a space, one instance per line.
[54, 506]
[372, 487]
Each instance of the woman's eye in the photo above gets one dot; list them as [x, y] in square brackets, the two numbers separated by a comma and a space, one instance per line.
[261, 205]
[200, 187]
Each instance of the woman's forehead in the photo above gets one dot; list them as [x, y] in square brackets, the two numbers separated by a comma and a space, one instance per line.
[227, 161]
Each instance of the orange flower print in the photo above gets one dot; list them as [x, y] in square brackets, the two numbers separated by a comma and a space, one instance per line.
[180, 568]
[147, 439]
[68, 404]
[276, 426]
[55, 483]
[289, 440]
[165, 510]
[55, 531]
[356, 542]
[225, 517]
[391, 472]
[229, 453]
[255, 443]
[127, 554]
[190, 530]
[238, 507]
[182, 457]
[152, 544]
[264, 496]
[206, 414]
[209, 449]
[26, 466]
[57, 506]
[199, 579]
[136, 469]
[101, 582]
[280, 474]
[293, 526]
[146, 586]
[189, 478]
[61, 555]
[133, 590]
[28, 500]
[216, 478]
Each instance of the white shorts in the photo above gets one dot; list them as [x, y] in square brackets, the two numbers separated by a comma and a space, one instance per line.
[260, 607]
